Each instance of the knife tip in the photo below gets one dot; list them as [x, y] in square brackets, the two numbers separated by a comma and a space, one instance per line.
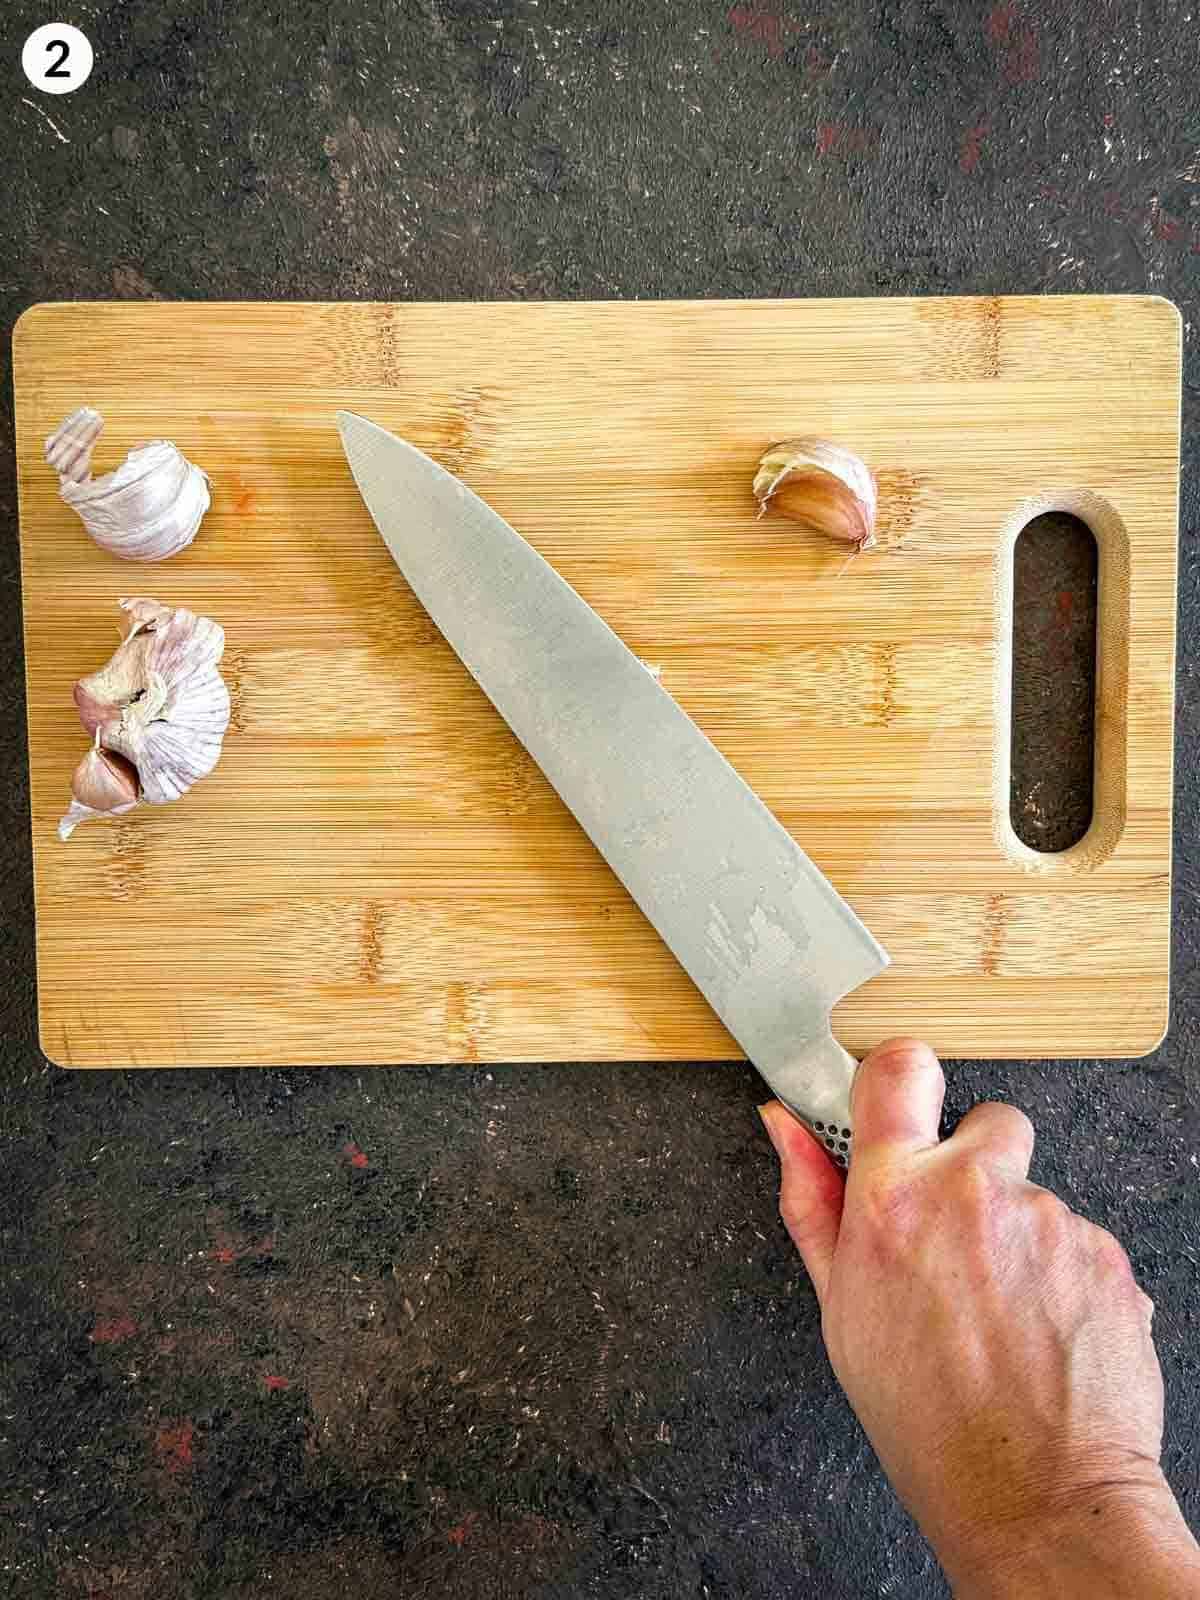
[353, 430]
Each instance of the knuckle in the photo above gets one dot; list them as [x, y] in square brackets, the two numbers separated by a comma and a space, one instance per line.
[1053, 1219]
[1045, 1203]
[1001, 1121]
[1020, 1123]
[799, 1209]
[978, 1188]
[1113, 1256]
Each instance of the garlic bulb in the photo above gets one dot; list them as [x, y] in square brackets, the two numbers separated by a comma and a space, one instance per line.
[822, 487]
[146, 510]
[158, 710]
[104, 785]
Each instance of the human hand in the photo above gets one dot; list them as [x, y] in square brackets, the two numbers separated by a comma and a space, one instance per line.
[995, 1345]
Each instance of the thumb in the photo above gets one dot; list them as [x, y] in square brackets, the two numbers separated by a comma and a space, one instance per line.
[811, 1192]
[897, 1100]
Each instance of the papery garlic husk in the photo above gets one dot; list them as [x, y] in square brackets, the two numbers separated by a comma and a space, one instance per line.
[160, 701]
[104, 785]
[147, 510]
[821, 486]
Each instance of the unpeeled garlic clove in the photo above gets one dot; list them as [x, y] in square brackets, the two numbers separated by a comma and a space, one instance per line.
[159, 706]
[104, 785]
[147, 510]
[69, 448]
[821, 486]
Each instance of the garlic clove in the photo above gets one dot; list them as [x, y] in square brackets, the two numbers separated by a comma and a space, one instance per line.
[821, 486]
[103, 695]
[104, 785]
[69, 448]
[174, 755]
[147, 510]
[160, 701]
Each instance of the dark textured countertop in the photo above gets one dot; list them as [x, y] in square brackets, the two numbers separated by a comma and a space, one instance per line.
[531, 1331]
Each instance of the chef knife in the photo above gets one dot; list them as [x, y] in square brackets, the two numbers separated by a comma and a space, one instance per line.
[765, 937]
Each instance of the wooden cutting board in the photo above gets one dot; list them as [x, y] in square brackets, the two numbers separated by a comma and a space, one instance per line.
[377, 872]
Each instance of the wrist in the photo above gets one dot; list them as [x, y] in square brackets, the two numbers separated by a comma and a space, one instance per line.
[1113, 1542]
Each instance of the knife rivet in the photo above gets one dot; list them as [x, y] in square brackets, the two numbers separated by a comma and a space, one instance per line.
[819, 1126]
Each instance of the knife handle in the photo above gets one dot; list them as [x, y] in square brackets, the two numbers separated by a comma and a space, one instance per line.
[820, 1080]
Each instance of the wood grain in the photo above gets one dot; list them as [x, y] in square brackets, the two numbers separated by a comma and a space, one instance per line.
[377, 872]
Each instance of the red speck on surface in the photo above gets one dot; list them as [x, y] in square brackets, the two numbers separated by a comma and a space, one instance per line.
[173, 1445]
[113, 1330]
[276, 1383]
[226, 1251]
[1000, 23]
[458, 1535]
[244, 501]
[1021, 62]
[1010, 33]
[533, 1531]
[972, 147]
[1110, 119]
[1161, 224]
[753, 22]
[354, 1155]
[1066, 604]
[844, 140]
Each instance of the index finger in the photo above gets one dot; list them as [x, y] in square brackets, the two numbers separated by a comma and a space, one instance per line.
[897, 1098]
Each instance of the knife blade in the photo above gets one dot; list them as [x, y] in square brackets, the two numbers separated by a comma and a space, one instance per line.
[761, 932]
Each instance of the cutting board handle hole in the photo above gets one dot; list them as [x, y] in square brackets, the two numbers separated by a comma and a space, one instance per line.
[1055, 570]
[1063, 596]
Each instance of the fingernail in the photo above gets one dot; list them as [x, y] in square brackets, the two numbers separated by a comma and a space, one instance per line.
[768, 1121]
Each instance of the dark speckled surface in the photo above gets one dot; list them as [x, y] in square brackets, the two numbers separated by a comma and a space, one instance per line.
[531, 1332]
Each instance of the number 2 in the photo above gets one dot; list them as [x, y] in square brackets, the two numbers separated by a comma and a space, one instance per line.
[57, 71]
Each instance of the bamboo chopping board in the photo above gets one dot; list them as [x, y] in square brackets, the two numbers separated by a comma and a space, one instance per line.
[377, 871]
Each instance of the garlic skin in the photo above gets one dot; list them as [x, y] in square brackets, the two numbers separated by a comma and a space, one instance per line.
[104, 785]
[147, 510]
[158, 710]
[821, 486]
